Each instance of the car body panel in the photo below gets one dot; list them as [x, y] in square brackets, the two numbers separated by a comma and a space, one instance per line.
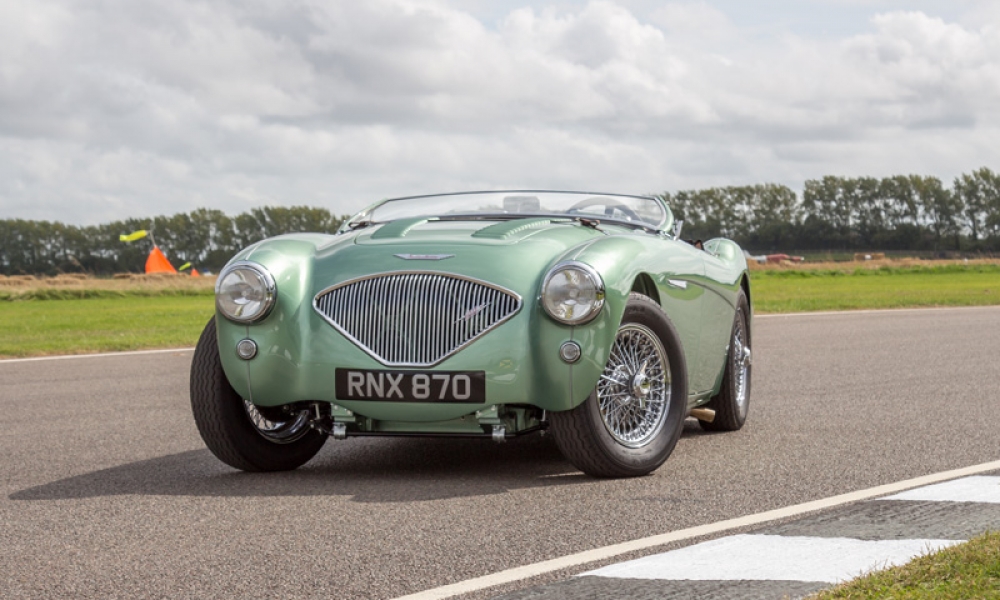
[299, 350]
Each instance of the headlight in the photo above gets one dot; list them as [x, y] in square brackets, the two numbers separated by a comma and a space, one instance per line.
[573, 293]
[245, 292]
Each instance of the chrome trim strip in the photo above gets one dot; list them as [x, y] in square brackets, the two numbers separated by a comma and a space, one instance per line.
[424, 256]
[419, 334]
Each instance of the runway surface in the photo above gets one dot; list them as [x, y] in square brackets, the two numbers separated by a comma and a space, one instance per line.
[107, 490]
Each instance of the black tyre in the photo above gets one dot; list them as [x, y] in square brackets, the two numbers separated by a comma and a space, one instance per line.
[632, 420]
[236, 431]
[733, 401]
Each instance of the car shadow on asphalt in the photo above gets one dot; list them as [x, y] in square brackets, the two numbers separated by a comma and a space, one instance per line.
[365, 470]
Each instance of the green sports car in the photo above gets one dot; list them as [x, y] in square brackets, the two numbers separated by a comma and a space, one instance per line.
[486, 314]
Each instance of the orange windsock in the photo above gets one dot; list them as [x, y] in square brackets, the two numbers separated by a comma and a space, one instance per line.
[157, 262]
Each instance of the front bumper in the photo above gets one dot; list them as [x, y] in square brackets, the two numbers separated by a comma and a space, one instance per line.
[299, 353]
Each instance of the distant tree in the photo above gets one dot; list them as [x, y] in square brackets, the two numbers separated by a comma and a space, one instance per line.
[866, 206]
[825, 203]
[973, 189]
[941, 210]
[991, 201]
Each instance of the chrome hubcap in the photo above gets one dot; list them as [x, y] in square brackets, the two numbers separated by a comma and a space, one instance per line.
[641, 385]
[634, 390]
[281, 432]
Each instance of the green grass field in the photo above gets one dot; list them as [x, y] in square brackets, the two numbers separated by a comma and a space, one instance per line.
[782, 291]
[42, 321]
[102, 324]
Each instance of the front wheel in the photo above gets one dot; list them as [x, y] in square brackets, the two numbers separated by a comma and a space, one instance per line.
[240, 434]
[630, 423]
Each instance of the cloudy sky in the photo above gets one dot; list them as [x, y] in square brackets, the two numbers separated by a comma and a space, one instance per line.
[112, 108]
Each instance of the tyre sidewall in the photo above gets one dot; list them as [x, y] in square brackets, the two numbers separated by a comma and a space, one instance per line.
[226, 427]
[730, 415]
[637, 461]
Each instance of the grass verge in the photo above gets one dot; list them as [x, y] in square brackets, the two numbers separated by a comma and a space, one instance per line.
[102, 324]
[802, 290]
[969, 570]
[68, 315]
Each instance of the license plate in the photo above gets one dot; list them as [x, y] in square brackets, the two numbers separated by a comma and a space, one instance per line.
[411, 386]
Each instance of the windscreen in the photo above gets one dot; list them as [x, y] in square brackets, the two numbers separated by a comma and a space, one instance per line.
[638, 210]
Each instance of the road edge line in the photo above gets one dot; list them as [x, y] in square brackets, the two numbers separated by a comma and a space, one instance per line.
[867, 311]
[588, 556]
[94, 355]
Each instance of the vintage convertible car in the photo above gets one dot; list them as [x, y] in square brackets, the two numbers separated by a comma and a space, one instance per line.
[487, 314]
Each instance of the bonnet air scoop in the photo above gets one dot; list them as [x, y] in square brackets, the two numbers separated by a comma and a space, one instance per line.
[399, 228]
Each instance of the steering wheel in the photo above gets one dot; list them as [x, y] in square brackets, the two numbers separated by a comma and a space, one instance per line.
[610, 205]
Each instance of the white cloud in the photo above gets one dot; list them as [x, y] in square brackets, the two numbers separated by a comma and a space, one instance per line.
[111, 109]
[694, 21]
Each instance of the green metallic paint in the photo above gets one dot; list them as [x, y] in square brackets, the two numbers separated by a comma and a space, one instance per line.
[298, 350]
[725, 270]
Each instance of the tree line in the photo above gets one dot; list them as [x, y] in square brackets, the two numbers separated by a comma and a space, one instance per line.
[903, 212]
[205, 238]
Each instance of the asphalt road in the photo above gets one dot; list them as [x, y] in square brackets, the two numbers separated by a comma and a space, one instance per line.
[108, 492]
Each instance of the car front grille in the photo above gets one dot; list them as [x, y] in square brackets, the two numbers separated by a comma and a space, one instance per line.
[415, 319]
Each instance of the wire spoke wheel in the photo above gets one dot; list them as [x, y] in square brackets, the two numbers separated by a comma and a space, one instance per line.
[741, 356]
[634, 390]
[281, 432]
[631, 421]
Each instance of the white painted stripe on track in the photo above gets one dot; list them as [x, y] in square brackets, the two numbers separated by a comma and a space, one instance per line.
[606, 552]
[981, 489]
[774, 558]
[870, 311]
[95, 355]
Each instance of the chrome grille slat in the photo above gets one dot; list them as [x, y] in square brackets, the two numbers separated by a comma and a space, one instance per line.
[415, 319]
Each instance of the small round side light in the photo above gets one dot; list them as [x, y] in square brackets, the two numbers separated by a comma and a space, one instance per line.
[246, 349]
[570, 352]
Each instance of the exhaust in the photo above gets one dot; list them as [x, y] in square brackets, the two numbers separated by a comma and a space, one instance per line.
[703, 414]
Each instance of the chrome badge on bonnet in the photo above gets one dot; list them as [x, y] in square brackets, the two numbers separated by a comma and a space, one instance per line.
[424, 256]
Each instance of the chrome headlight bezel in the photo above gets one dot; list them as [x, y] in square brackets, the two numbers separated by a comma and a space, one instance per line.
[592, 283]
[259, 280]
